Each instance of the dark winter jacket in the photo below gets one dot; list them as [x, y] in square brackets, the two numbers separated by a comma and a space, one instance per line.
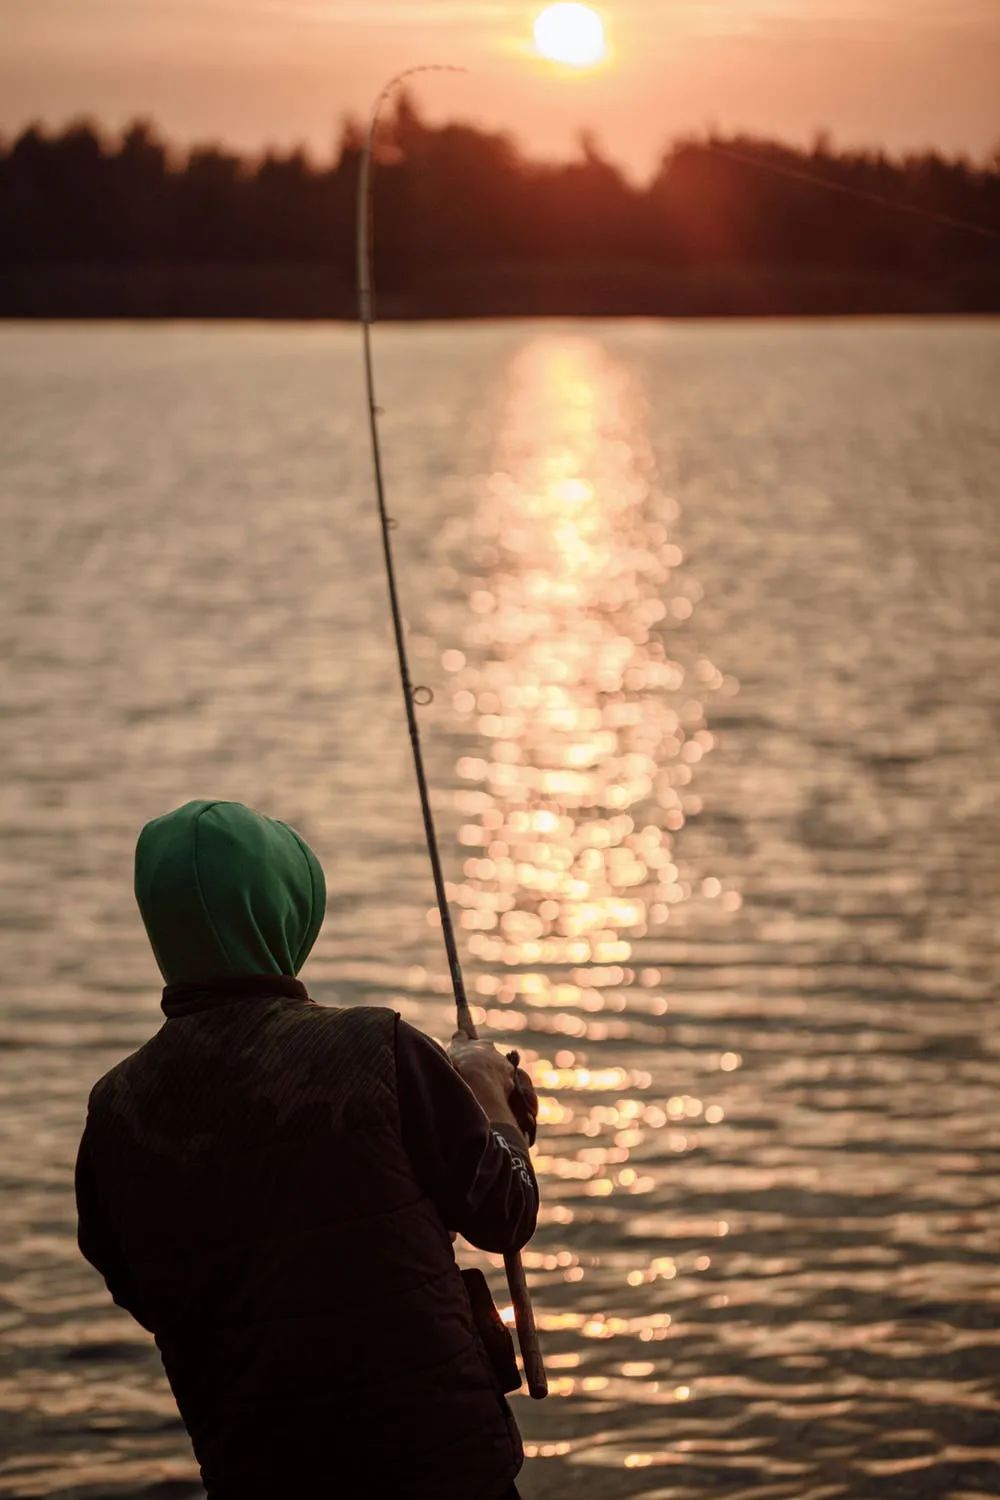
[268, 1186]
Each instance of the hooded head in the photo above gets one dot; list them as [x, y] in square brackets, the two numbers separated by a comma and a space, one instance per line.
[226, 893]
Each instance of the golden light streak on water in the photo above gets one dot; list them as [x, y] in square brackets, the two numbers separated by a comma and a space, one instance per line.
[587, 705]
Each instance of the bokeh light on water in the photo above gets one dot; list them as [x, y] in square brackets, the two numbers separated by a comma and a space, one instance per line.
[591, 729]
[582, 681]
[709, 614]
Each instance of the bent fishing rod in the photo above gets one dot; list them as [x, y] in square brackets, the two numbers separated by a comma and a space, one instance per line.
[524, 1318]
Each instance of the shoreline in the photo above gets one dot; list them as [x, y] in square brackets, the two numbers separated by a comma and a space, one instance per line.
[219, 292]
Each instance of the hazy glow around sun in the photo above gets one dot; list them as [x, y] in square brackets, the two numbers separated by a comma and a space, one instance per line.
[571, 34]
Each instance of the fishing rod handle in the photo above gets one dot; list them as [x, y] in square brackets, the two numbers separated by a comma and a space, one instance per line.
[517, 1282]
[527, 1332]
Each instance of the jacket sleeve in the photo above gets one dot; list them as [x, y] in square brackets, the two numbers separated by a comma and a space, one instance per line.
[96, 1237]
[478, 1173]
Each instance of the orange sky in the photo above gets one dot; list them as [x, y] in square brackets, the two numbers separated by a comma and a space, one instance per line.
[896, 72]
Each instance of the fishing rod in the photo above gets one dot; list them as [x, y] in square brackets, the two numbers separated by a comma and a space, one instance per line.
[524, 1318]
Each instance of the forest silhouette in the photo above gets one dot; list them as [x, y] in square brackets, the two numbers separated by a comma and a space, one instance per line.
[467, 225]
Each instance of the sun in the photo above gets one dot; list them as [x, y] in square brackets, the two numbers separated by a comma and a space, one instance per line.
[571, 34]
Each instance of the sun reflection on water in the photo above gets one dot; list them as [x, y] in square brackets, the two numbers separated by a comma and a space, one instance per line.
[590, 727]
[585, 700]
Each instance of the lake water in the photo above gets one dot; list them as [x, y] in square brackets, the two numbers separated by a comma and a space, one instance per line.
[710, 613]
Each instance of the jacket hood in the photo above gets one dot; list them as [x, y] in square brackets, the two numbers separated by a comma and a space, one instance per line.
[225, 892]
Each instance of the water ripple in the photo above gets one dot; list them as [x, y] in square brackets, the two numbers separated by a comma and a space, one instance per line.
[710, 616]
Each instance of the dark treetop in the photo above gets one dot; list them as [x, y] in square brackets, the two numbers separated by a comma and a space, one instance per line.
[468, 225]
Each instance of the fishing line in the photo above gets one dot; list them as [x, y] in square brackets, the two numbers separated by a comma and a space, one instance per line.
[795, 175]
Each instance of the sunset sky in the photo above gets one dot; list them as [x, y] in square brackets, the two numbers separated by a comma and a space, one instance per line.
[904, 73]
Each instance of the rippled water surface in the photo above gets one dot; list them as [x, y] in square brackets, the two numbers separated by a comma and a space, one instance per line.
[710, 616]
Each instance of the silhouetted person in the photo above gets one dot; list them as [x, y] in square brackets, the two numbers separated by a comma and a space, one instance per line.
[268, 1186]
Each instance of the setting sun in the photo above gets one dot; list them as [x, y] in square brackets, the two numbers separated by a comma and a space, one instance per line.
[571, 34]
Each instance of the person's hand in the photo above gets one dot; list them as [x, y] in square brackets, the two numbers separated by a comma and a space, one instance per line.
[504, 1090]
[487, 1072]
[524, 1100]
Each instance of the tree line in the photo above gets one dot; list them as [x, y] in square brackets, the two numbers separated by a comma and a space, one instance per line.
[467, 223]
